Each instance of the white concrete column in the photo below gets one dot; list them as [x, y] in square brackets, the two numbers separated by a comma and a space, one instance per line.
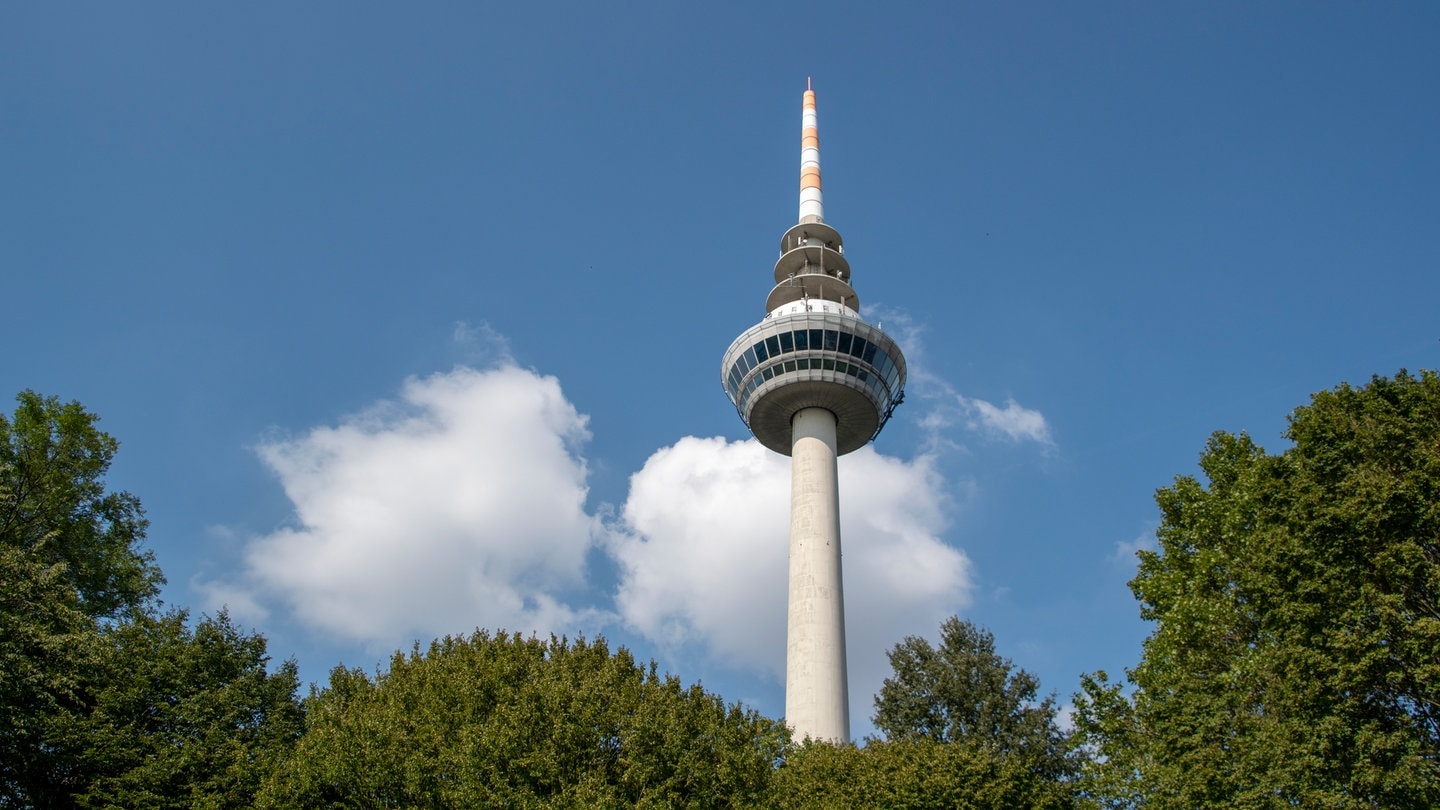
[816, 688]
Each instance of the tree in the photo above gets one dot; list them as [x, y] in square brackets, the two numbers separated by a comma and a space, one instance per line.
[511, 721]
[155, 715]
[1295, 658]
[917, 773]
[964, 692]
[103, 701]
[1107, 733]
[54, 507]
[69, 558]
[50, 654]
[185, 718]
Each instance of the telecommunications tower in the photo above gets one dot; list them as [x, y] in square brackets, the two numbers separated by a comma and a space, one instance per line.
[813, 381]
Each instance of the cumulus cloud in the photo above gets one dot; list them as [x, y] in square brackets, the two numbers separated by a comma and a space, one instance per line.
[460, 505]
[703, 549]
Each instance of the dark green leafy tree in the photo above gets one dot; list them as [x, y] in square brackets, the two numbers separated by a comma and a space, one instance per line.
[50, 656]
[69, 560]
[54, 507]
[917, 773]
[1295, 659]
[1107, 731]
[962, 691]
[186, 718]
[104, 702]
[490, 721]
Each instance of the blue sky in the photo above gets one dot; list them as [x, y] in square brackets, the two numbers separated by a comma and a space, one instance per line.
[409, 320]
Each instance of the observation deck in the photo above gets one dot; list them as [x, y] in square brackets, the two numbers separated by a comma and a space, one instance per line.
[823, 357]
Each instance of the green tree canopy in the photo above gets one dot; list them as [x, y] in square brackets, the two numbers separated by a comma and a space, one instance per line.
[964, 691]
[104, 703]
[54, 507]
[913, 773]
[50, 655]
[509, 721]
[184, 718]
[1295, 659]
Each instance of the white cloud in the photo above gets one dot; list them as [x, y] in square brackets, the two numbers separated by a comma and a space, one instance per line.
[949, 408]
[1014, 421]
[241, 601]
[1125, 550]
[704, 544]
[460, 506]
[703, 548]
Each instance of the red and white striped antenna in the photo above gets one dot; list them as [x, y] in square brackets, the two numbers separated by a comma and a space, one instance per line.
[812, 204]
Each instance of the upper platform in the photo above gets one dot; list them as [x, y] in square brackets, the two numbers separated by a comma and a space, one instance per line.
[812, 265]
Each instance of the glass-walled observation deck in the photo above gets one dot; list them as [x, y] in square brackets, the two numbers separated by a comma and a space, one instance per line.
[806, 359]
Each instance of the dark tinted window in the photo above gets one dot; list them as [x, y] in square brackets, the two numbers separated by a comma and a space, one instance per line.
[787, 342]
[760, 353]
[831, 336]
[773, 345]
[844, 346]
[800, 340]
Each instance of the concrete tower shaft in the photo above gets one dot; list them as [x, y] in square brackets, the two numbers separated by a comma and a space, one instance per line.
[817, 687]
[814, 381]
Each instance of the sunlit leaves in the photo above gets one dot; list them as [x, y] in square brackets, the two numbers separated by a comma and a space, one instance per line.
[914, 773]
[1294, 656]
[506, 720]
